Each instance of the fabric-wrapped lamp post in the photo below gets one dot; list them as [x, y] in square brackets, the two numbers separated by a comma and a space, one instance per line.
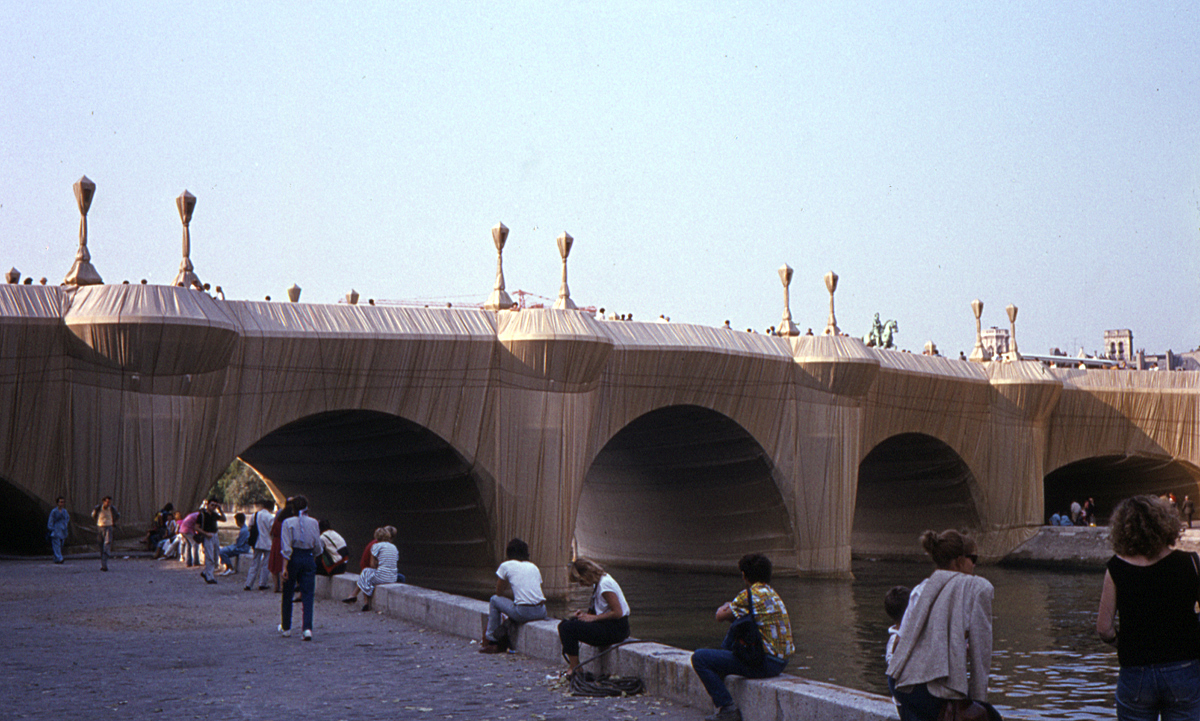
[82, 272]
[499, 299]
[831, 280]
[1013, 354]
[564, 302]
[186, 278]
[979, 354]
[786, 326]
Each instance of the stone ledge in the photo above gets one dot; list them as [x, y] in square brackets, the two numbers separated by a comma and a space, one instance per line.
[666, 671]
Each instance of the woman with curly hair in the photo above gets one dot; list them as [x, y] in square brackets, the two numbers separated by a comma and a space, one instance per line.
[1153, 590]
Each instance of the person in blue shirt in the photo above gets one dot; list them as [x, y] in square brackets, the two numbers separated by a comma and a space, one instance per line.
[240, 546]
[58, 526]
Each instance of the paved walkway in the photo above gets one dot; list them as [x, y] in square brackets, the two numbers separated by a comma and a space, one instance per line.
[150, 637]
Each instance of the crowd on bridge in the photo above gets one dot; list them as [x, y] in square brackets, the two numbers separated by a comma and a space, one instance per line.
[938, 651]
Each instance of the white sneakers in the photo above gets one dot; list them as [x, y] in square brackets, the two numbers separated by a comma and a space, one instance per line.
[288, 633]
[227, 572]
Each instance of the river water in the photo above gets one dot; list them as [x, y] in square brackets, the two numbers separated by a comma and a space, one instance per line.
[1047, 661]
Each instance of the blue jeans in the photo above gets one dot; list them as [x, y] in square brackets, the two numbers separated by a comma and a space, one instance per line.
[188, 552]
[1170, 691]
[106, 539]
[917, 704]
[713, 665]
[518, 614]
[302, 572]
[229, 553]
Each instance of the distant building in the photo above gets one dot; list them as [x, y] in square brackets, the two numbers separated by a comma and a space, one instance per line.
[1118, 344]
[996, 341]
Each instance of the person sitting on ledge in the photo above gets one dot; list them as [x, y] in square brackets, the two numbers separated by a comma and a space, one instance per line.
[605, 623]
[521, 580]
[770, 618]
[384, 557]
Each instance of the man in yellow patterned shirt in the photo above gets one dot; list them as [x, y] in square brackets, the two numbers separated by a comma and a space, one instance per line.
[770, 615]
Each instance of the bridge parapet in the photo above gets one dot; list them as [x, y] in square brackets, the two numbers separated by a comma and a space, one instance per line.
[148, 329]
[546, 349]
[834, 364]
[1026, 389]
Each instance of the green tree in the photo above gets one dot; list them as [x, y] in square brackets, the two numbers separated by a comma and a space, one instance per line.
[239, 485]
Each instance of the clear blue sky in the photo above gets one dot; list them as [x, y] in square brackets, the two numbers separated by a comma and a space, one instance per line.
[929, 153]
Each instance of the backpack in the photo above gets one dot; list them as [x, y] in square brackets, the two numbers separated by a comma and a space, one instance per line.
[254, 530]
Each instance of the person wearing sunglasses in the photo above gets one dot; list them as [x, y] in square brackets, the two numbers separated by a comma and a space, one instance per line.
[944, 652]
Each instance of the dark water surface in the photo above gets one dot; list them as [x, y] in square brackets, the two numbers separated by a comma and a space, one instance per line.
[1047, 661]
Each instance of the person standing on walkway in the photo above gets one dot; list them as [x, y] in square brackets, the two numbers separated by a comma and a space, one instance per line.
[1154, 590]
[300, 543]
[522, 580]
[210, 516]
[106, 517]
[276, 561]
[58, 525]
[770, 616]
[260, 540]
[944, 654]
[189, 528]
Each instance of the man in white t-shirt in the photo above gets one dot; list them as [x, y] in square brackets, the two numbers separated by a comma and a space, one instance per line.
[522, 581]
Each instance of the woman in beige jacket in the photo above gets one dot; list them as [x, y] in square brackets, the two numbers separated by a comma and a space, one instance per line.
[945, 647]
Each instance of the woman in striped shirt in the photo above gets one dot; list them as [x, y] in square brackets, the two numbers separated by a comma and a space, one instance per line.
[384, 556]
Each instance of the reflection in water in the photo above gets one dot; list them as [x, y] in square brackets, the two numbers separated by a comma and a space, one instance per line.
[1047, 662]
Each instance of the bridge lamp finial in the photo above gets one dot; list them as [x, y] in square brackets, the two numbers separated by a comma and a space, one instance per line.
[564, 302]
[979, 354]
[831, 281]
[186, 203]
[82, 271]
[786, 326]
[499, 299]
[1012, 320]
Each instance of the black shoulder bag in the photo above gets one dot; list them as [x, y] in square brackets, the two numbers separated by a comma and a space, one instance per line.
[253, 539]
[747, 639]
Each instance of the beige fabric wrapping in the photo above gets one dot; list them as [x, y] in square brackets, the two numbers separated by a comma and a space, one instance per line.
[148, 392]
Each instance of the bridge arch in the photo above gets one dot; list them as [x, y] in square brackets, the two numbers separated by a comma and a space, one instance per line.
[683, 487]
[364, 469]
[22, 520]
[908, 483]
[1110, 478]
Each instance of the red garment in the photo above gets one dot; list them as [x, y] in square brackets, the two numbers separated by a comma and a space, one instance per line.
[275, 562]
[366, 557]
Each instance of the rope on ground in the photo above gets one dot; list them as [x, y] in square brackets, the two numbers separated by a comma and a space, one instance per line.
[584, 683]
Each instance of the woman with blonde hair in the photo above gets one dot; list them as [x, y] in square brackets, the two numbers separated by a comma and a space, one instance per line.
[607, 620]
[1153, 590]
[382, 568]
[944, 654]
